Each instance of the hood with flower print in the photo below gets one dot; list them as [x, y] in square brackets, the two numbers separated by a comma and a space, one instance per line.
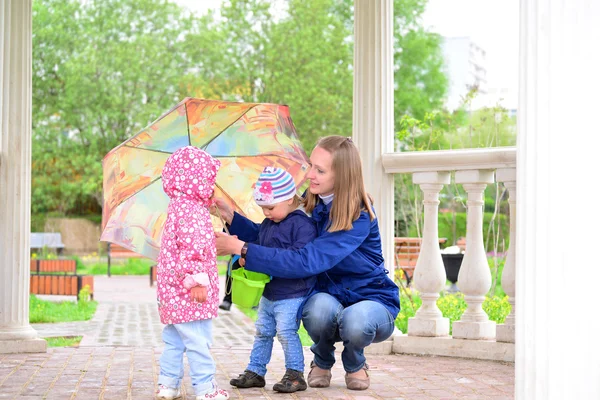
[190, 172]
[188, 254]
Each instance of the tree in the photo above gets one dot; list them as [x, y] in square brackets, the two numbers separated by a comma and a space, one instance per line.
[420, 82]
[309, 67]
[103, 69]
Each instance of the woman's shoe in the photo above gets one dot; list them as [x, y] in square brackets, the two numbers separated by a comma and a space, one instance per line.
[248, 379]
[317, 377]
[358, 383]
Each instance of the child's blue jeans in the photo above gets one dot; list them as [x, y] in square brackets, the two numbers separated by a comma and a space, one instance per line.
[277, 317]
[195, 339]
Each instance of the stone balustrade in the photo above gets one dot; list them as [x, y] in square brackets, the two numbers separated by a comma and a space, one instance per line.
[474, 335]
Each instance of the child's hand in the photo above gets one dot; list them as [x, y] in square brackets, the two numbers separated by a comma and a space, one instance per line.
[199, 294]
[221, 205]
[242, 262]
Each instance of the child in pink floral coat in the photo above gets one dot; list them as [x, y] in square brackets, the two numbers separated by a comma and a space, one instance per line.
[187, 278]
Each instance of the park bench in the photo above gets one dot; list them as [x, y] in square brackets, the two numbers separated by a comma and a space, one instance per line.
[407, 253]
[116, 251]
[46, 240]
[58, 277]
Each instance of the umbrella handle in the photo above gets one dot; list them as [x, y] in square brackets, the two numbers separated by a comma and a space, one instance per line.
[222, 221]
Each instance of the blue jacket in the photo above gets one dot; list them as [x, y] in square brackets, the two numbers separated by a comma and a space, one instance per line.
[294, 232]
[349, 264]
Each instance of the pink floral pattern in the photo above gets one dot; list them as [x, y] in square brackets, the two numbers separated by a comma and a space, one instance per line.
[188, 240]
[264, 192]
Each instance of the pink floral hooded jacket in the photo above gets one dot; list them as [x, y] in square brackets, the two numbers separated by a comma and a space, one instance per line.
[188, 254]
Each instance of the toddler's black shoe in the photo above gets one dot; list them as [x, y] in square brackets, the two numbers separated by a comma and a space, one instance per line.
[248, 379]
[291, 382]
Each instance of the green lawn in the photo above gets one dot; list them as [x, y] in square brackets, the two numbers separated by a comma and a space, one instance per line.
[131, 266]
[42, 311]
[64, 341]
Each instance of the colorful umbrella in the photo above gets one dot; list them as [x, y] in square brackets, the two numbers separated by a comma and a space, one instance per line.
[245, 137]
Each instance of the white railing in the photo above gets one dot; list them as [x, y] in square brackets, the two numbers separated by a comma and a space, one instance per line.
[474, 169]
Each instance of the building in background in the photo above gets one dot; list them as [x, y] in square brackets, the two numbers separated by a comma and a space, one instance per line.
[465, 68]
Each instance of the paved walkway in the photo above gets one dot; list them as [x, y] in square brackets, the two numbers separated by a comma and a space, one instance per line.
[118, 359]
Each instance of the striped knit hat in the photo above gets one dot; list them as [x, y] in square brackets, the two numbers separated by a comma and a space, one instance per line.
[274, 185]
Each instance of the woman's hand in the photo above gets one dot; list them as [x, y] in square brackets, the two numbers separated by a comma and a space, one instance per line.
[227, 245]
[199, 294]
[224, 208]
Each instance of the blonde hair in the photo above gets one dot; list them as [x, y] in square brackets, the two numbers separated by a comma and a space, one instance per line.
[349, 195]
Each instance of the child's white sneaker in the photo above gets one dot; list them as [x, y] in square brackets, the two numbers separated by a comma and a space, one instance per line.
[167, 393]
[216, 394]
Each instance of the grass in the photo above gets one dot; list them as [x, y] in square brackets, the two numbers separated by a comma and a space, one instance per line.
[304, 338]
[42, 311]
[131, 266]
[64, 341]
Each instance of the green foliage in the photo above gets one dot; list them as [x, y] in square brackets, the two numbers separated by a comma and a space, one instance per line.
[497, 308]
[64, 341]
[66, 311]
[104, 69]
[38, 222]
[452, 307]
[420, 82]
[131, 266]
[447, 222]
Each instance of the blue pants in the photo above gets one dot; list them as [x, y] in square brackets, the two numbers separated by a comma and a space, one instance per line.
[357, 326]
[195, 339]
[277, 317]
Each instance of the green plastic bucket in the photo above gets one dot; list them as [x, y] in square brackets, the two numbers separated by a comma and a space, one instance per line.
[247, 287]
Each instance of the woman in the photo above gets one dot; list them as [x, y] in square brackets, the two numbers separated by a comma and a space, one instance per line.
[354, 300]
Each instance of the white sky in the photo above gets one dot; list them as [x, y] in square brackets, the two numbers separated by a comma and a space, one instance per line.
[492, 24]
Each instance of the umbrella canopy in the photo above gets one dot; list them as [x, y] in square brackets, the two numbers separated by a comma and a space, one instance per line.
[245, 137]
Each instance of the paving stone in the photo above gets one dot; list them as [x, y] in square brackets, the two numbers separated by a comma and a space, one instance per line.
[118, 358]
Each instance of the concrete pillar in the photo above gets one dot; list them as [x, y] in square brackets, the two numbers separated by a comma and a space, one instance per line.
[16, 335]
[557, 259]
[373, 124]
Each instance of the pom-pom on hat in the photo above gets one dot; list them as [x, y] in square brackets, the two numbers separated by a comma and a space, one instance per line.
[274, 185]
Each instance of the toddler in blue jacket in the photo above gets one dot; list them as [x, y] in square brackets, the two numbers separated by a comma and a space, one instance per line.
[286, 226]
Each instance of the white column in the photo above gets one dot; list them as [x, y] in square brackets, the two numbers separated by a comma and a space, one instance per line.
[373, 125]
[430, 275]
[474, 278]
[16, 335]
[506, 332]
[557, 258]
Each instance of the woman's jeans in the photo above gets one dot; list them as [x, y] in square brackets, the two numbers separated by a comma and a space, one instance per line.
[357, 326]
[193, 338]
[277, 317]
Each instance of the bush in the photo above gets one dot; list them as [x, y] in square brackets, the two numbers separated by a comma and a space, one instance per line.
[452, 307]
[445, 229]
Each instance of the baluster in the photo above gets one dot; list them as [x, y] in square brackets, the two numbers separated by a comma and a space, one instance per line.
[430, 275]
[474, 278]
[506, 332]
